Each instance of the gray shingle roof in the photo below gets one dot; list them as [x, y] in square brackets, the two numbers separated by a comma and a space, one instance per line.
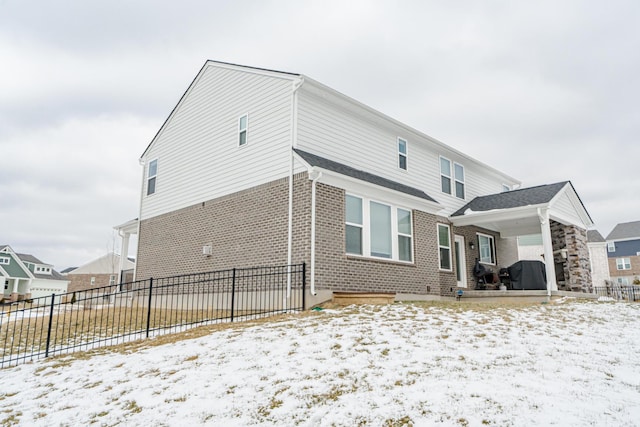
[625, 230]
[513, 199]
[30, 258]
[330, 165]
[594, 236]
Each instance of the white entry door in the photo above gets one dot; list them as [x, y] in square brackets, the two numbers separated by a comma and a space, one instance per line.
[461, 264]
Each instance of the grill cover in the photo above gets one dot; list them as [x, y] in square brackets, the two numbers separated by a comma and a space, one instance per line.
[529, 275]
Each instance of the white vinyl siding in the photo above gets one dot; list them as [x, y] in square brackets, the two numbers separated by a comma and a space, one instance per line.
[444, 247]
[347, 133]
[198, 145]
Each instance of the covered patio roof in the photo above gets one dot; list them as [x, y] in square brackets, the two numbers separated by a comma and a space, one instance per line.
[519, 212]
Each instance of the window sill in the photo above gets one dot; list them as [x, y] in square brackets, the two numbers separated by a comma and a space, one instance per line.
[352, 257]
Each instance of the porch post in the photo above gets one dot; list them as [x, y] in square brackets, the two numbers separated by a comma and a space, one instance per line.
[14, 292]
[547, 244]
[124, 254]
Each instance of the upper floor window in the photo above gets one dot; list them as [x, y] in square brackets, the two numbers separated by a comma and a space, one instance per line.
[377, 230]
[623, 263]
[402, 154]
[242, 130]
[152, 172]
[611, 246]
[487, 249]
[452, 178]
[444, 247]
[5, 261]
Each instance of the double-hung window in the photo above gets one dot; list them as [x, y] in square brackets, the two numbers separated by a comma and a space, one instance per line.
[487, 249]
[402, 153]
[458, 173]
[452, 178]
[152, 172]
[354, 225]
[623, 263]
[242, 130]
[611, 246]
[444, 247]
[378, 230]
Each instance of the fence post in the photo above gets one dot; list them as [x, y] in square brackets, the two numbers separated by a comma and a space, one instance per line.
[304, 282]
[233, 292]
[149, 305]
[46, 351]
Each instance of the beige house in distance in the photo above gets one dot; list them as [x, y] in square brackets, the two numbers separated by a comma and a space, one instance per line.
[100, 272]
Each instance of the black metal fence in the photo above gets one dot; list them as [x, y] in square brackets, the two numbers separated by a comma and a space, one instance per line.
[619, 292]
[82, 320]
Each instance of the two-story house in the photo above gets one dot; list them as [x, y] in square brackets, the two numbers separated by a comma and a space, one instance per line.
[25, 276]
[261, 167]
[623, 249]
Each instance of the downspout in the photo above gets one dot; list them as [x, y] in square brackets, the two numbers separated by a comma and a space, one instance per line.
[294, 141]
[135, 265]
[313, 232]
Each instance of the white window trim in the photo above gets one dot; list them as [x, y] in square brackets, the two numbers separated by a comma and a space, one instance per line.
[245, 130]
[611, 246]
[366, 231]
[5, 261]
[440, 246]
[353, 224]
[623, 264]
[451, 180]
[149, 177]
[456, 180]
[405, 155]
[491, 247]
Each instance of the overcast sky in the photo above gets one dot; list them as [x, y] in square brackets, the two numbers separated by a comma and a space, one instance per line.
[545, 91]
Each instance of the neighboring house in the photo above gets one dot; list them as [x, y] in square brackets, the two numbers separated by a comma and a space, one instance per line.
[100, 272]
[623, 249]
[25, 276]
[260, 167]
[598, 256]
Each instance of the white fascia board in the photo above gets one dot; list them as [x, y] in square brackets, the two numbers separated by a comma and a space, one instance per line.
[373, 191]
[626, 239]
[130, 227]
[358, 107]
[477, 218]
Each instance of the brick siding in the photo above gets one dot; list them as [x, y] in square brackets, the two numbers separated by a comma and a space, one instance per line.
[81, 282]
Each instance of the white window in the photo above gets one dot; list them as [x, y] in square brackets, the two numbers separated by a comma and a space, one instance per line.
[611, 246]
[623, 281]
[623, 263]
[487, 249]
[353, 231]
[152, 172]
[459, 177]
[452, 179]
[445, 175]
[444, 247]
[243, 123]
[93, 281]
[5, 261]
[112, 280]
[402, 154]
[378, 230]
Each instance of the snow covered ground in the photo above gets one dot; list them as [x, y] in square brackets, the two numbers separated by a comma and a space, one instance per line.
[565, 364]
